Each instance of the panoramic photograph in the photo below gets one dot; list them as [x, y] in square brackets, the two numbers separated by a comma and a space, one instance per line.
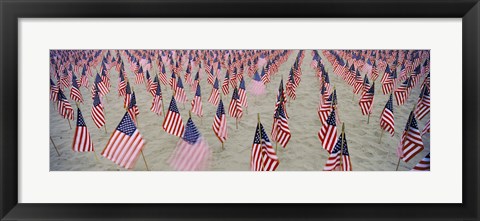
[240, 110]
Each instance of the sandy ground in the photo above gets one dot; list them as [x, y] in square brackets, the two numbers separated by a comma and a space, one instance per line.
[303, 153]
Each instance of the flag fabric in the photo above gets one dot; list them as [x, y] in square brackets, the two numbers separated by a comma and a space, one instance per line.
[75, 93]
[122, 84]
[402, 92]
[427, 128]
[220, 123]
[157, 100]
[125, 144]
[197, 102]
[53, 91]
[101, 86]
[263, 156]
[64, 107]
[173, 123]
[280, 130]
[215, 94]
[225, 85]
[173, 81]
[128, 95]
[339, 156]
[256, 86]
[423, 104]
[423, 165]
[192, 152]
[98, 114]
[366, 101]
[180, 94]
[242, 93]
[84, 78]
[235, 108]
[328, 132]
[387, 121]
[291, 87]
[133, 108]
[81, 138]
[326, 107]
[139, 77]
[411, 141]
[163, 76]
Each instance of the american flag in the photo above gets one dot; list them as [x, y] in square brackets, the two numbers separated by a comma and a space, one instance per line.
[235, 108]
[411, 140]
[125, 144]
[121, 83]
[163, 76]
[188, 75]
[389, 83]
[84, 79]
[328, 132]
[365, 84]
[196, 81]
[263, 156]
[53, 91]
[192, 152]
[215, 94]
[291, 87]
[358, 84]
[402, 92]
[139, 77]
[264, 76]
[197, 102]
[426, 129]
[180, 94]
[423, 104]
[374, 74]
[423, 165]
[220, 123]
[387, 121]
[153, 86]
[225, 85]
[100, 85]
[326, 107]
[133, 108]
[280, 130]
[211, 75]
[256, 86]
[157, 100]
[149, 82]
[64, 107]
[128, 95]
[75, 93]
[242, 92]
[81, 138]
[339, 155]
[173, 81]
[98, 115]
[281, 98]
[173, 123]
[106, 79]
[385, 74]
[366, 101]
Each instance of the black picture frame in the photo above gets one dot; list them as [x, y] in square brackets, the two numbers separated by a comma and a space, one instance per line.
[11, 11]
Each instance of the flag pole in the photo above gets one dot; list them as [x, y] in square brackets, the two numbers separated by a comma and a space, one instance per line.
[260, 135]
[145, 161]
[408, 128]
[95, 155]
[56, 149]
[341, 147]
[69, 124]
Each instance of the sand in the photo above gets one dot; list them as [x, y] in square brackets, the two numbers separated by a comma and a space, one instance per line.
[304, 152]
